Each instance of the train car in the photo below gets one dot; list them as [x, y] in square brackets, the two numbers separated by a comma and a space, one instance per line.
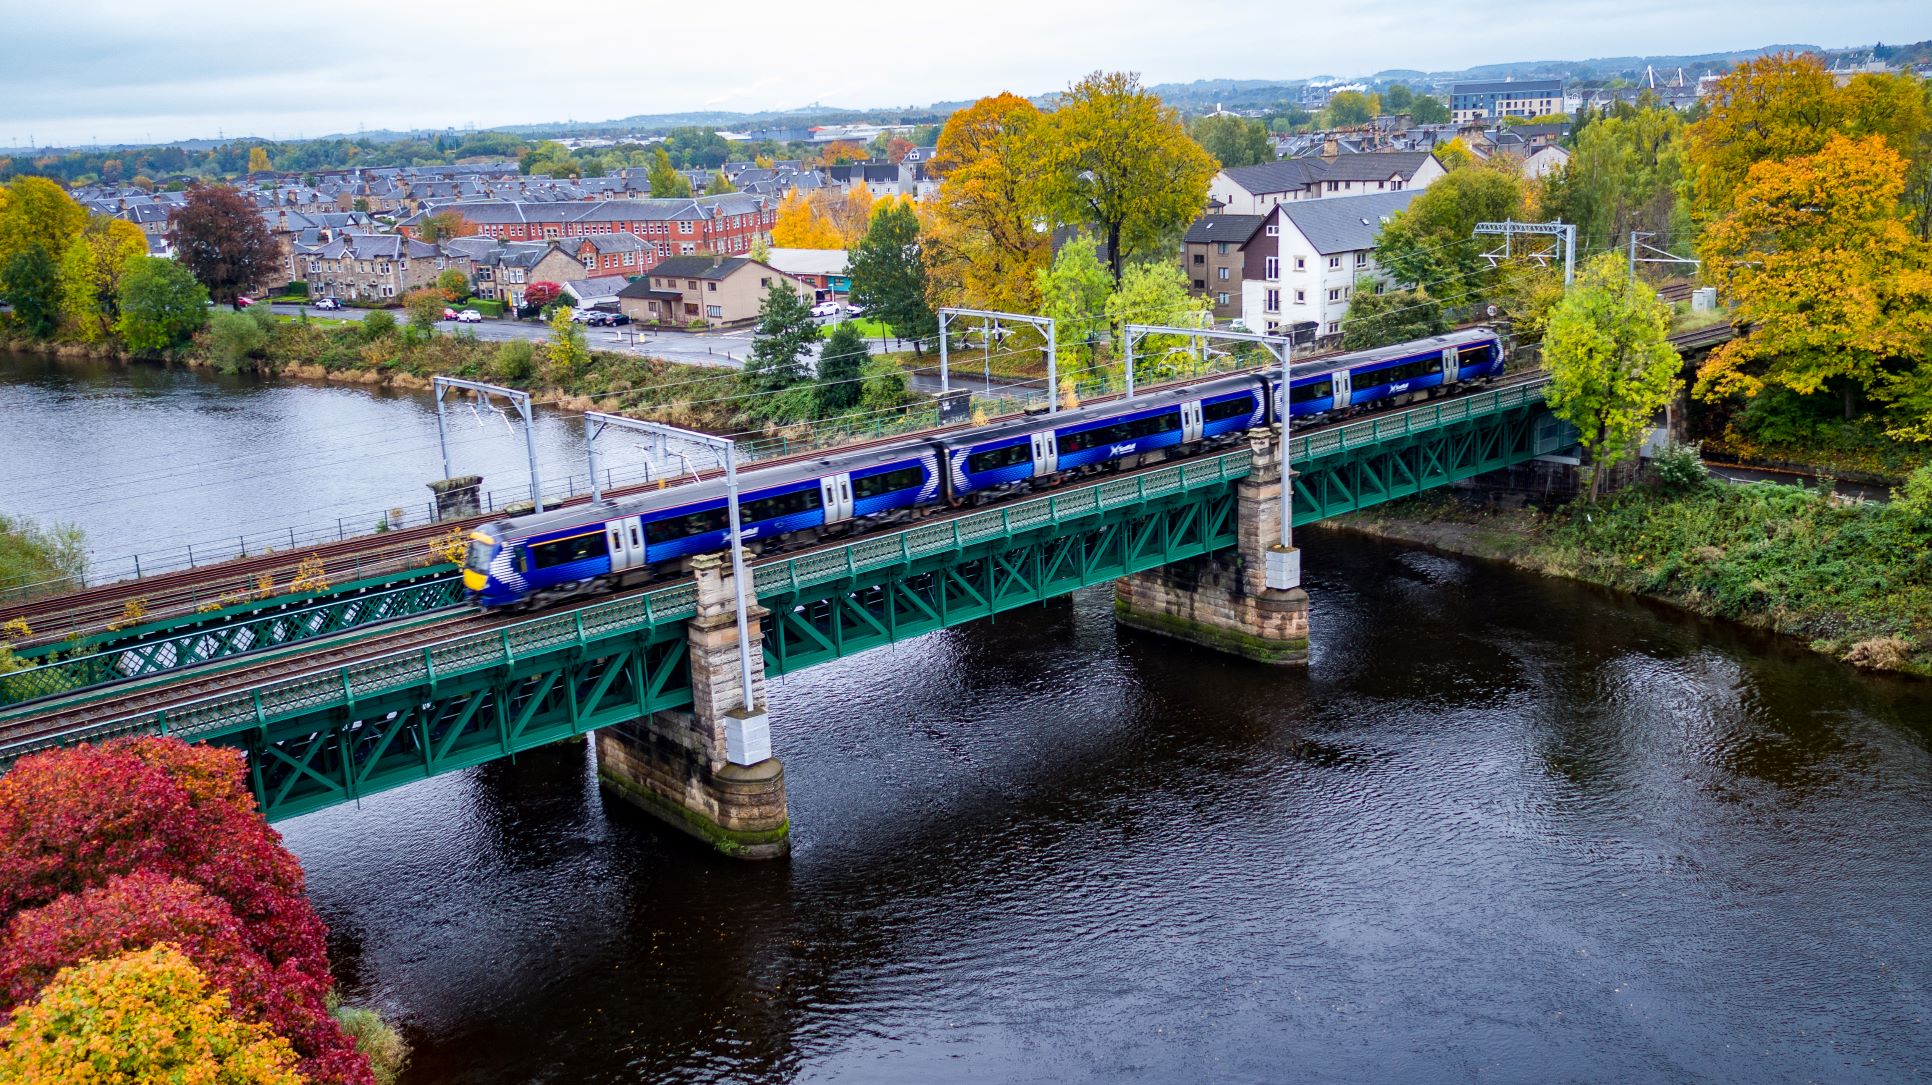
[1120, 433]
[1387, 375]
[633, 539]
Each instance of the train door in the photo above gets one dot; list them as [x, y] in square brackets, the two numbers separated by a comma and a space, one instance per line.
[1449, 367]
[836, 494]
[626, 541]
[1046, 455]
[1191, 422]
[1342, 388]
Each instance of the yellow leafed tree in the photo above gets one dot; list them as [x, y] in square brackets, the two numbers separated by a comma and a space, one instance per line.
[90, 273]
[985, 240]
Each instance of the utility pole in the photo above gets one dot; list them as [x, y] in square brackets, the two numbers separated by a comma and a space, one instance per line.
[1509, 229]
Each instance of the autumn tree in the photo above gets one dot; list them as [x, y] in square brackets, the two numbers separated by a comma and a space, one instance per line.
[987, 240]
[896, 149]
[1430, 244]
[161, 305]
[1393, 316]
[258, 160]
[806, 222]
[1117, 159]
[719, 183]
[839, 153]
[134, 912]
[666, 182]
[218, 235]
[91, 270]
[453, 284]
[139, 1018]
[542, 294]
[1232, 140]
[1611, 364]
[889, 275]
[1834, 289]
[567, 355]
[443, 225]
[850, 215]
[840, 365]
[782, 341]
[425, 307]
[38, 222]
[74, 819]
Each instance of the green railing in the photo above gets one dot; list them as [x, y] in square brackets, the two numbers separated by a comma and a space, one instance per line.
[1432, 416]
[424, 666]
[195, 646]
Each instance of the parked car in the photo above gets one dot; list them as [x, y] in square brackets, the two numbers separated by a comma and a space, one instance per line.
[826, 308]
[448, 313]
[600, 319]
[243, 301]
[330, 304]
[469, 316]
[855, 310]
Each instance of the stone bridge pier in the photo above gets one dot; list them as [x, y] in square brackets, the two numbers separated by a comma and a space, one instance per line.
[708, 771]
[1246, 600]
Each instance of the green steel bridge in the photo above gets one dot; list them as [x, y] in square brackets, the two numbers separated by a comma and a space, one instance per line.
[328, 710]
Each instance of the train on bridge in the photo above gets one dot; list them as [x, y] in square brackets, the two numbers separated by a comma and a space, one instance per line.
[530, 560]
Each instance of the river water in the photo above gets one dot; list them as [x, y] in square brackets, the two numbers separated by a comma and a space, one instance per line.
[1503, 828]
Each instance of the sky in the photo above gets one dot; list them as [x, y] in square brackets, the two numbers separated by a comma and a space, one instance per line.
[86, 71]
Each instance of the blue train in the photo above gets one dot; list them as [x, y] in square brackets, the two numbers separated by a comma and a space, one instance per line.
[530, 560]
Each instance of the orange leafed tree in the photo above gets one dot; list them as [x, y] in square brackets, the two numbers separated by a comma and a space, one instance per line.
[1836, 289]
[985, 240]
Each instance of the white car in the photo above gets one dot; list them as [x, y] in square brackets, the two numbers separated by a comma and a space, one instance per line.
[469, 316]
[826, 308]
[855, 310]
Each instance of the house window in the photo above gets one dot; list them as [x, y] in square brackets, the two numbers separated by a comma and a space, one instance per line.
[1334, 262]
[715, 312]
[1271, 301]
[1200, 284]
[1220, 299]
[1361, 259]
[1334, 326]
[1301, 297]
[1221, 248]
[1221, 273]
[685, 248]
[765, 282]
[1335, 294]
[711, 286]
[1271, 268]
[684, 227]
[1200, 258]
[1379, 285]
[1301, 264]
[1274, 230]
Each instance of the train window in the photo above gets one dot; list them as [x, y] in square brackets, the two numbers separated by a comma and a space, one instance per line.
[791, 504]
[886, 482]
[1473, 354]
[995, 458]
[1237, 407]
[1117, 432]
[564, 551]
[1407, 371]
[1321, 389]
[672, 528]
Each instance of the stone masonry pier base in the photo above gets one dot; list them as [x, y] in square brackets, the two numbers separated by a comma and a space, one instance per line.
[690, 768]
[1222, 600]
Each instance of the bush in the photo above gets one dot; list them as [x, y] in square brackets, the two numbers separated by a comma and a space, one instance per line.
[138, 1018]
[488, 308]
[377, 325]
[32, 555]
[376, 1040]
[515, 360]
[1679, 467]
[234, 338]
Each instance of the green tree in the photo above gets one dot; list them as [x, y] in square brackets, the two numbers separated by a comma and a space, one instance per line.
[1074, 291]
[1625, 174]
[1289, 118]
[90, 273]
[1428, 109]
[666, 182]
[889, 273]
[782, 341]
[425, 307]
[138, 1018]
[33, 555]
[1156, 293]
[1232, 140]
[760, 249]
[1350, 108]
[453, 284]
[33, 288]
[1397, 98]
[1611, 364]
[567, 355]
[236, 337]
[1431, 245]
[719, 183]
[1119, 160]
[162, 305]
[1393, 316]
[840, 364]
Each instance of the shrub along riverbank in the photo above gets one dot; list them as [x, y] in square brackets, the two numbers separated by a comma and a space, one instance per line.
[1851, 579]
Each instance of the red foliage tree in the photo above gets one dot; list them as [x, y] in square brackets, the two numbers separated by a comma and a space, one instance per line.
[72, 819]
[541, 293]
[138, 911]
[219, 235]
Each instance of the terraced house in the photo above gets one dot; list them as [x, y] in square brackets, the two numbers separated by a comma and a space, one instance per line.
[725, 224]
[372, 266]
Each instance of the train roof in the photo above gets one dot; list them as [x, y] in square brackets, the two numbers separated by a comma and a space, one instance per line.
[1094, 412]
[1352, 359]
[687, 493]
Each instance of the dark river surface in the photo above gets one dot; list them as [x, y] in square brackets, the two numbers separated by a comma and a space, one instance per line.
[1503, 828]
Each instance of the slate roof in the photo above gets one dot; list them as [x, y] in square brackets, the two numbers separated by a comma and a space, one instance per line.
[375, 247]
[695, 267]
[1523, 88]
[599, 286]
[1345, 223]
[1234, 228]
[1375, 166]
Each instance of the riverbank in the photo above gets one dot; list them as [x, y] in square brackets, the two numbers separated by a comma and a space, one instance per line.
[1852, 580]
